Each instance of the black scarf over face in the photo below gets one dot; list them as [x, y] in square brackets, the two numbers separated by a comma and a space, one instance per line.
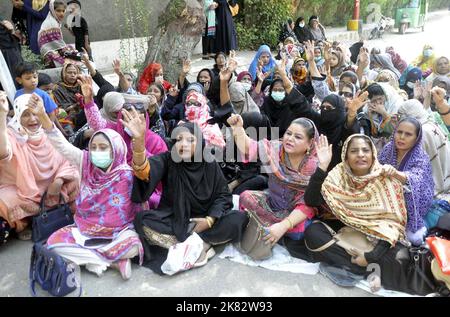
[332, 121]
[192, 189]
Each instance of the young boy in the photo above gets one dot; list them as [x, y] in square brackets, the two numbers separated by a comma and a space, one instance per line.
[27, 77]
[79, 27]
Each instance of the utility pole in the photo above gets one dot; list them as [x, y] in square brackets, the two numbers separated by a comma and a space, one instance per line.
[353, 25]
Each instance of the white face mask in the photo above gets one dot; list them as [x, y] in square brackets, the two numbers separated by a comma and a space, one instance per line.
[159, 79]
[247, 86]
[302, 25]
[410, 85]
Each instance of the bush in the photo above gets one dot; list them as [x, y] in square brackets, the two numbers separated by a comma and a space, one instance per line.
[259, 22]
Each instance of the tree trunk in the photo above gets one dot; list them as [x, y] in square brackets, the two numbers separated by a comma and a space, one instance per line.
[180, 29]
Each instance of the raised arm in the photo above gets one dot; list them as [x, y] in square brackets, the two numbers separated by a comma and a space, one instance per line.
[225, 76]
[241, 138]
[67, 150]
[184, 72]
[136, 123]
[4, 109]
[124, 85]
[287, 83]
[442, 106]
[353, 107]
[93, 115]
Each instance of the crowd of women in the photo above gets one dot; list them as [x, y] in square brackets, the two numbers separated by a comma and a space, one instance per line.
[318, 137]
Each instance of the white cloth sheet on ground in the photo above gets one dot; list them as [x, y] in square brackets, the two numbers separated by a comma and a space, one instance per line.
[282, 261]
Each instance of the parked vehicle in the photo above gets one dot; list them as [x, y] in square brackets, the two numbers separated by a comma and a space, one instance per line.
[411, 16]
[385, 24]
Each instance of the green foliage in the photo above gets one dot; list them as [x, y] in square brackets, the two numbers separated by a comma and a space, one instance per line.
[134, 31]
[259, 22]
[29, 56]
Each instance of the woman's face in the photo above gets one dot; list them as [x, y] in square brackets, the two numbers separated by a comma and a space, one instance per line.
[204, 77]
[296, 141]
[265, 58]
[246, 79]
[154, 90]
[317, 52]
[443, 66]
[359, 156]
[334, 60]
[60, 12]
[221, 60]
[278, 87]
[405, 136]
[315, 24]
[185, 145]
[100, 144]
[70, 75]
[30, 122]
[129, 80]
[346, 93]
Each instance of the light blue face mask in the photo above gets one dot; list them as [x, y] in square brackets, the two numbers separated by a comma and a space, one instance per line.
[278, 96]
[318, 59]
[101, 159]
[428, 53]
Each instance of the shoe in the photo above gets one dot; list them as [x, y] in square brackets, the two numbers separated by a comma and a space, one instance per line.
[124, 267]
[207, 254]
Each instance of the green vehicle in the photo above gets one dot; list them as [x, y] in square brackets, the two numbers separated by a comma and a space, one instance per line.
[411, 15]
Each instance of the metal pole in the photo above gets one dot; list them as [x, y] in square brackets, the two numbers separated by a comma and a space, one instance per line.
[356, 10]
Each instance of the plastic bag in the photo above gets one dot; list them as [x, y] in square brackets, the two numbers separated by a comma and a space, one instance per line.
[183, 256]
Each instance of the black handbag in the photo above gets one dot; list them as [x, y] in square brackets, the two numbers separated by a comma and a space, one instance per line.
[421, 280]
[54, 274]
[50, 221]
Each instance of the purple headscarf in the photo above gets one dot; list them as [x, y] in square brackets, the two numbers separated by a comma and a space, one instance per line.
[417, 167]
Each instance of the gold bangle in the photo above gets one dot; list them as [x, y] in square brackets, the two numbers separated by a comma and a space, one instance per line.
[139, 153]
[141, 167]
[210, 221]
[291, 225]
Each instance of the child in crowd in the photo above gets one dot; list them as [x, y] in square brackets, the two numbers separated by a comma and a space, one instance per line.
[78, 27]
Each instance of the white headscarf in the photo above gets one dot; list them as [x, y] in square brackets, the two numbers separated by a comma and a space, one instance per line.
[20, 106]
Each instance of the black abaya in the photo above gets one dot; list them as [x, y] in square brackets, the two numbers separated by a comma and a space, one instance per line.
[226, 36]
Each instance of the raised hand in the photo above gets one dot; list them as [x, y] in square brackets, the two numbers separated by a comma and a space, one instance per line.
[85, 57]
[235, 121]
[86, 88]
[4, 107]
[187, 66]
[117, 66]
[174, 91]
[232, 64]
[36, 106]
[324, 152]
[363, 58]
[225, 74]
[261, 76]
[309, 51]
[419, 91]
[438, 95]
[136, 123]
[327, 51]
[357, 103]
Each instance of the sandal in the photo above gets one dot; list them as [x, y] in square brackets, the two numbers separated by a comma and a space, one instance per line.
[207, 254]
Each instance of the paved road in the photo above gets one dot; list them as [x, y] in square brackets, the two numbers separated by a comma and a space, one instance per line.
[219, 277]
[410, 44]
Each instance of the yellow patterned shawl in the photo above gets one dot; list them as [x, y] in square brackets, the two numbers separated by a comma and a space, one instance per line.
[38, 5]
[371, 204]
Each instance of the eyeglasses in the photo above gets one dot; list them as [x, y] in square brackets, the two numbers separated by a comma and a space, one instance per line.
[346, 94]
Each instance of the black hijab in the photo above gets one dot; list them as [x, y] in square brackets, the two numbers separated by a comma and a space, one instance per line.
[302, 33]
[190, 189]
[332, 125]
[332, 121]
